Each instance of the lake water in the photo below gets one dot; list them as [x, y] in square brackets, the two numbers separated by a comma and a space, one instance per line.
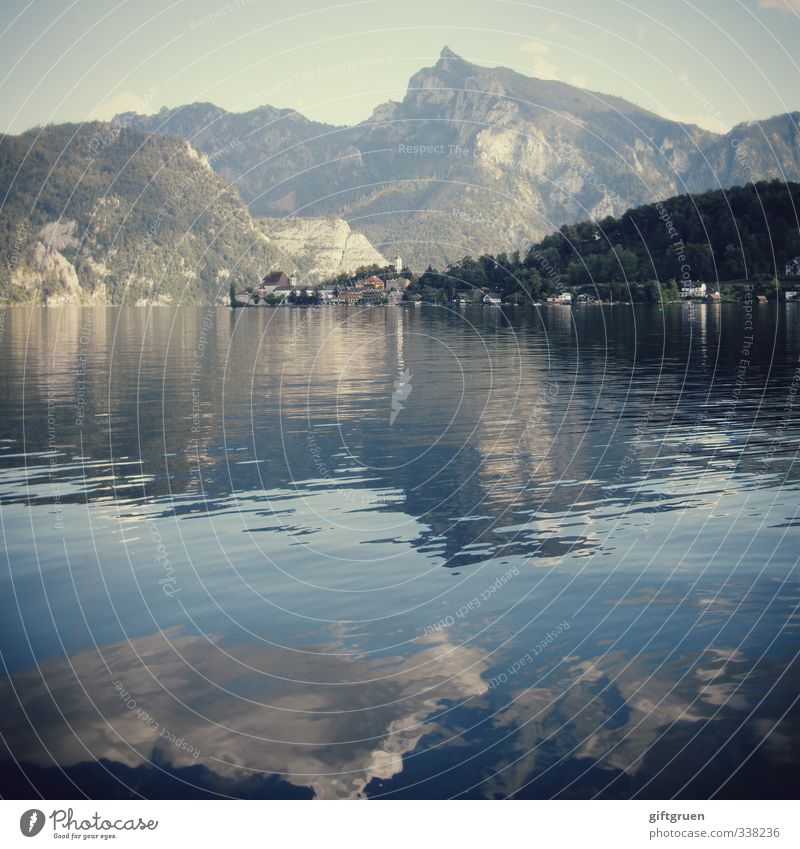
[400, 552]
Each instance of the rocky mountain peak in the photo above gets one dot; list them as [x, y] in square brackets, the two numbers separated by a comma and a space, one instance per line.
[512, 156]
[447, 58]
[436, 88]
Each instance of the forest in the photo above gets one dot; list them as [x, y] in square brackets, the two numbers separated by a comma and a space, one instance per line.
[724, 238]
[137, 217]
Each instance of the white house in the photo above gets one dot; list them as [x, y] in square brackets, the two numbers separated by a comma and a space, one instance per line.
[283, 291]
[492, 298]
[694, 290]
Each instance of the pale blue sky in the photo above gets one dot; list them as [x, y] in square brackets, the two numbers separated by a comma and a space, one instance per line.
[714, 62]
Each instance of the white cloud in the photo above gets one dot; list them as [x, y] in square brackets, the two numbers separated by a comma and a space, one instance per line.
[579, 80]
[125, 101]
[534, 47]
[781, 5]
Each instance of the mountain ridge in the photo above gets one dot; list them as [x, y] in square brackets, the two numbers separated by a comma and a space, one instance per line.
[506, 159]
[447, 54]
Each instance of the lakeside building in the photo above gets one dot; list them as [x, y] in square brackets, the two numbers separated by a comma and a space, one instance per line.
[275, 283]
[243, 298]
[273, 279]
[492, 298]
[371, 282]
[283, 290]
[693, 290]
[398, 283]
[373, 296]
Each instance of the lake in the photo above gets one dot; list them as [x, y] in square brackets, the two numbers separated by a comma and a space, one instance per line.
[400, 552]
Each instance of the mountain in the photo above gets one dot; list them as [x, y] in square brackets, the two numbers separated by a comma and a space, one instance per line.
[104, 213]
[323, 247]
[722, 237]
[474, 159]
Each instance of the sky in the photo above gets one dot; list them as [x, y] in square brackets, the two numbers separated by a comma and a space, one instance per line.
[711, 62]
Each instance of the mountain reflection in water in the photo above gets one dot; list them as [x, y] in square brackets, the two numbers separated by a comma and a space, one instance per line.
[399, 552]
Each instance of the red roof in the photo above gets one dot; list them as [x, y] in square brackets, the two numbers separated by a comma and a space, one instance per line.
[276, 278]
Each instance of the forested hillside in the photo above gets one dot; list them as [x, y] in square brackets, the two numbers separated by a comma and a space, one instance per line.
[102, 213]
[744, 233]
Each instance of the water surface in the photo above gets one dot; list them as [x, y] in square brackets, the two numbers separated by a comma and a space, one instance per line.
[403, 552]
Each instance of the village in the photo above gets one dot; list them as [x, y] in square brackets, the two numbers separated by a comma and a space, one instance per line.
[395, 284]
[365, 287]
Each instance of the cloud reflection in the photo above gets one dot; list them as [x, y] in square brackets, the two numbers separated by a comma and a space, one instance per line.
[330, 722]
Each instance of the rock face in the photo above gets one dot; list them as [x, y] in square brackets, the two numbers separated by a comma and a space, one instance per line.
[51, 276]
[475, 159]
[126, 219]
[101, 213]
[323, 247]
